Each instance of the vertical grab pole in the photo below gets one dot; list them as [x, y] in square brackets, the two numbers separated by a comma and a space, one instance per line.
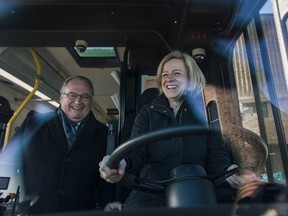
[27, 99]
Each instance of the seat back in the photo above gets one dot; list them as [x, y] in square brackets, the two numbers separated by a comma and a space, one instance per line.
[5, 114]
[5, 110]
[146, 97]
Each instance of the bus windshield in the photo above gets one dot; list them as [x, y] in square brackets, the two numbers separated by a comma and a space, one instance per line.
[117, 50]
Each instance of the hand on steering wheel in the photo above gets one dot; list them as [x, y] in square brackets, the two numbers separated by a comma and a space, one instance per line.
[111, 175]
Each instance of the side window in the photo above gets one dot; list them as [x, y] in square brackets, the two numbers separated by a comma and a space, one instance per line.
[285, 30]
[261, 75]
[212, 112]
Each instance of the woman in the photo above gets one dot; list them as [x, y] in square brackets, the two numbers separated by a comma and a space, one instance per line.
[180, 83]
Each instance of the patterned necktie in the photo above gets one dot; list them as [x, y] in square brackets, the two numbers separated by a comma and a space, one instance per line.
[73, 134]
[69, 129]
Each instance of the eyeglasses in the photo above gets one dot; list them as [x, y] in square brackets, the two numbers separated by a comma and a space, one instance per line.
[74, 96]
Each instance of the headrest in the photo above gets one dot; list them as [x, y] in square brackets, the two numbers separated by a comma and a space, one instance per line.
[147, 96]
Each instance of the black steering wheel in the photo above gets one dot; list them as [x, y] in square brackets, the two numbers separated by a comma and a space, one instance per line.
[147, 138]
[132, 181]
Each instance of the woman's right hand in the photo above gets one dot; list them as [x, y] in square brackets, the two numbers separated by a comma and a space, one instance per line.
[111, 175]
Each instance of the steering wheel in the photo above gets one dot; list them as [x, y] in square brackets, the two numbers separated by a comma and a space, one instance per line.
[232, 132]
[179, 131]
[147, 138]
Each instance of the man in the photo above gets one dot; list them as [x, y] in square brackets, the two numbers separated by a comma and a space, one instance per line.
[61, 152]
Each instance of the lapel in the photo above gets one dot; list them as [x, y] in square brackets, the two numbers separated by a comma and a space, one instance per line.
[56, 129]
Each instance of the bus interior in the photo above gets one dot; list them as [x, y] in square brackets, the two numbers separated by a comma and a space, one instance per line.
[241, 46]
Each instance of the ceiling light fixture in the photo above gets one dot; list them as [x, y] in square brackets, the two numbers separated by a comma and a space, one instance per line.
[24, 85]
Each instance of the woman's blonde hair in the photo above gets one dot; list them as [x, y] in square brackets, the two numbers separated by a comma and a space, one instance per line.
[195, 75]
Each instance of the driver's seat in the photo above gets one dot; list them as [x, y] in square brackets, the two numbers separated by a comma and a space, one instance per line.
[146, 97]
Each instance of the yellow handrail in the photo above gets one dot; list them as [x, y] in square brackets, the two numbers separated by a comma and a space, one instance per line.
[21, 107]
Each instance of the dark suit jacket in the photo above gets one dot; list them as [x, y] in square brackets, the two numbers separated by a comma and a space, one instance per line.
[63, 179]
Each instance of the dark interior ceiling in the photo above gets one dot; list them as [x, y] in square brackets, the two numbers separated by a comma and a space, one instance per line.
[149, 28]
[106, 23]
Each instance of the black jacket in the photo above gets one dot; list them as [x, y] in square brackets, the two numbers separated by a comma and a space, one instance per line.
[63, 179]
[207, 151]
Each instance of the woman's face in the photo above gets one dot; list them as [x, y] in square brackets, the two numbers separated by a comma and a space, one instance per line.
[76, 108]
[174, 79]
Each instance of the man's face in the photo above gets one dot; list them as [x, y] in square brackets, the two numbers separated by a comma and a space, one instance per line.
[77, 104]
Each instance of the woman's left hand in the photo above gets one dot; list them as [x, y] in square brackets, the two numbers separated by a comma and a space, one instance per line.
[243, 176]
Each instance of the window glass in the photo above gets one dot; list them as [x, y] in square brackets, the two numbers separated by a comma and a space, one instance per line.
[259, 93]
